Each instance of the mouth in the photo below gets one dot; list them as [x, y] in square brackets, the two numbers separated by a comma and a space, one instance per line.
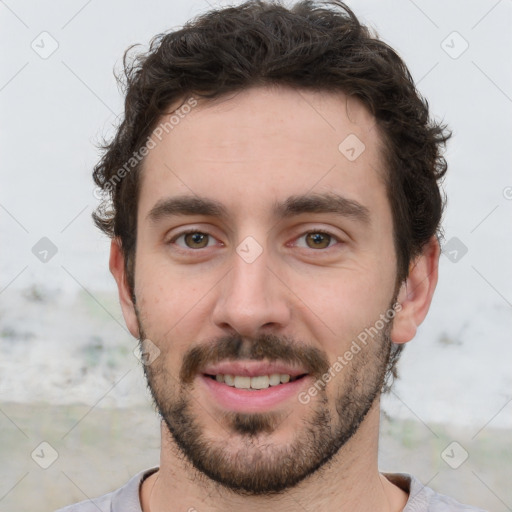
[255, 383]
[252, 386]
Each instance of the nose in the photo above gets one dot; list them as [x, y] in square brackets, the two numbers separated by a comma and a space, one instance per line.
[252, 298]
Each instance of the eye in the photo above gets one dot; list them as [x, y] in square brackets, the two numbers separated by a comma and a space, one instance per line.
[193, 240]
[318, 240]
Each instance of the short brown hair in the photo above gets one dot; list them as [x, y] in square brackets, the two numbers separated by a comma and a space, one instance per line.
[312, 45]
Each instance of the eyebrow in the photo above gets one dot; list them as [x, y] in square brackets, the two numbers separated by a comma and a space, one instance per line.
[292, 206]
[323, 203]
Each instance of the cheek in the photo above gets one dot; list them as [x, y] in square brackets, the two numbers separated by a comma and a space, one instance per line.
[341, 304]
[172, 303]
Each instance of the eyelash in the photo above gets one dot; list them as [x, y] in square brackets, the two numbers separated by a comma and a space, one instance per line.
[315, 231]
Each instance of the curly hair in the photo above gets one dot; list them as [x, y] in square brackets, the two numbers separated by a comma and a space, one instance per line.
[313, 45]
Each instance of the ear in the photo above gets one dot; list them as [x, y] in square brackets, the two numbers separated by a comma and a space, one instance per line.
[416, 293]
[117, 268]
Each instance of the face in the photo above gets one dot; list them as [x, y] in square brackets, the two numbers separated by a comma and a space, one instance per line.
[264, 255]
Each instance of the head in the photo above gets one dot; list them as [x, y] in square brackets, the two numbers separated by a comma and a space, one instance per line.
[273, 196]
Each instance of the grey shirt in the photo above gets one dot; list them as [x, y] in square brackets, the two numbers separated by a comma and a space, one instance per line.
[126, 498]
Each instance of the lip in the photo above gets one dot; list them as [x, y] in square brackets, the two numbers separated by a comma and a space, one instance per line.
[252, 368]
[244, 400]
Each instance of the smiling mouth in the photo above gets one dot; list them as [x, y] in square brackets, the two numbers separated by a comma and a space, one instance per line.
[255, 383]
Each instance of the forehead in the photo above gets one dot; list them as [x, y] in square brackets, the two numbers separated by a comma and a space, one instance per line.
[264, 144]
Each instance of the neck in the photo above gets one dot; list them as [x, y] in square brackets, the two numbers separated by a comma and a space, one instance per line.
[350, 481]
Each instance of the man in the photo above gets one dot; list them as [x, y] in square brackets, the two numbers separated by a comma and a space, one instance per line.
[274, 207]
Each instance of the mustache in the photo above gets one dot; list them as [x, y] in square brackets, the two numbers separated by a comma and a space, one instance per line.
[265, 346]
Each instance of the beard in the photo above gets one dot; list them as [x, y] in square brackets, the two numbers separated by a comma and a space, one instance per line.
[247, 461]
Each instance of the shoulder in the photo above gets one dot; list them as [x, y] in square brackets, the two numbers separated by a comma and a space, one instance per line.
[425, 499]
[122, 499]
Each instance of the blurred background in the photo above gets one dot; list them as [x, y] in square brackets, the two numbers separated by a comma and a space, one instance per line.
[76, 420]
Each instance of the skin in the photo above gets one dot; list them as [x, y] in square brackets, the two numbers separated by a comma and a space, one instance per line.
[248, 151]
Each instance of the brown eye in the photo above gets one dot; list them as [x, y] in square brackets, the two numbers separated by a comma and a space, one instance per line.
[318, 240]
[196, 240]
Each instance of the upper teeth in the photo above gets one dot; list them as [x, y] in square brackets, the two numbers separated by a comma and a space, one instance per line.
[259, 382]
